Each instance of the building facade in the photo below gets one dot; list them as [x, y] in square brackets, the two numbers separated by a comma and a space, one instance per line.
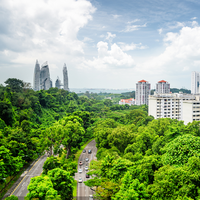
[45, 82]
[162, 87]
[42, 80]
[65, 77]
[36, 77]
[178, 106]
[142, 92]
[130, 101]
[195, 80]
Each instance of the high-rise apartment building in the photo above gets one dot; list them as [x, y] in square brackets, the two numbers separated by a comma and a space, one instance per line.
[195, 80]
[36, 77]
[42, 81]
[65, 77]
[162, 87]
[58, 83]
[142, 92]
[45, 82]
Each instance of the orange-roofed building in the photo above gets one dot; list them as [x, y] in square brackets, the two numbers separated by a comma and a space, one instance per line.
[142, 92]
[127, 101]
[162, 87]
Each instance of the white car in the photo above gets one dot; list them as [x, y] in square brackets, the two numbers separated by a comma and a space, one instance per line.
[80, 171]
[86, 159]
[80, 180]
[90, 197]
[86, 168]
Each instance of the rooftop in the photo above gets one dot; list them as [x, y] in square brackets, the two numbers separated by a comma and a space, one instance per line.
[162, 81]
[142, 81]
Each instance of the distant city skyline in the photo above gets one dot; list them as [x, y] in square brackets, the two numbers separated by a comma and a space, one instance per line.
[105, 44]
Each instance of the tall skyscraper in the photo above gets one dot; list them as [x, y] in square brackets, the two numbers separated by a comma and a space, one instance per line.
[65, 77]
[142, 92]
[45, 82]
[36, 77]
[58, 83]
[162, 87]
[195, 79]
[42, 81]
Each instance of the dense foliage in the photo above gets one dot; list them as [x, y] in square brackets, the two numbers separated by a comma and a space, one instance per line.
[54, 120]
[138, 157]
[143, 158]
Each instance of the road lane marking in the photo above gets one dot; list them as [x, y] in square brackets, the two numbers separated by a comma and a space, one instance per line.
[24, 177]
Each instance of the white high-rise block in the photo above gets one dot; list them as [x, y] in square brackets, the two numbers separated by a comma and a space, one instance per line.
[162, 87]
[142, 92]
[195, 80]
[36, 77]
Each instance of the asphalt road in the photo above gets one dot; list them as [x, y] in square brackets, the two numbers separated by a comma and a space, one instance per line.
[21, 189]
[83, 191]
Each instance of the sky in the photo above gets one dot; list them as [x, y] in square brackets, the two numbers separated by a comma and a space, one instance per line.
[104, 43]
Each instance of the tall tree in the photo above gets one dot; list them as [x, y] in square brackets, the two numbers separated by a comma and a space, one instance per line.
[62, 183]
[15, 84]
[41, 188]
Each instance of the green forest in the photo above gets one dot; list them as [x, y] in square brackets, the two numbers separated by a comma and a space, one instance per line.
[138, 157]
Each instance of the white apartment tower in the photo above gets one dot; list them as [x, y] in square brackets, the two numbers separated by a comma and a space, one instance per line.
[195, 79]
[142, 92]
[178, 106]
[162, 87]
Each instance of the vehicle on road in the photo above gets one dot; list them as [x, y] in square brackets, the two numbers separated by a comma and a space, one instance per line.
[86, 168]
[87, 176]
[80, 163]
[90, 197]
[80, 171]
[86, 159]
[84, 151]
[80, 180]
[89, 151]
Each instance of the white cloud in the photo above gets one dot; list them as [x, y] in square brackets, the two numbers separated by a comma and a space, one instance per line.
[116, 16]
[182, 51]
[35, 26]
[113, 58]
[133, 21]
[130, 28]
[132, 46]
[110, 36]
[193, 18]
[160, 31]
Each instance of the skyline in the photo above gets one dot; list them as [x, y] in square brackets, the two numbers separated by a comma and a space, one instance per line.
[105, 44]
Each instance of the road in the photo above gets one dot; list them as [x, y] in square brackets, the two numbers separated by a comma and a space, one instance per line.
[21, 189]
[83, 191]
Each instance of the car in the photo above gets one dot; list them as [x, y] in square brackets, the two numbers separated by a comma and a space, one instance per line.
[90, 197]
[80, 180]
[80, 171]
[86, 159]
[86, 168]
[87, 176]
[80, 163]
[84, 151]
[89, 151]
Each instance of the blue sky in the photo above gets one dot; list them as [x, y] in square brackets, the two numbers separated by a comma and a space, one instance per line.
[105, 43]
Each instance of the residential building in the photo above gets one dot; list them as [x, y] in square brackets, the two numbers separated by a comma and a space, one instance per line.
[142, 92]
[130, 101]
[178, 106]
[162, 87]
[195, 80]
[42, 81]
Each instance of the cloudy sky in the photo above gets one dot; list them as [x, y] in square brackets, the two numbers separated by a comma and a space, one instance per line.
[104, 43]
